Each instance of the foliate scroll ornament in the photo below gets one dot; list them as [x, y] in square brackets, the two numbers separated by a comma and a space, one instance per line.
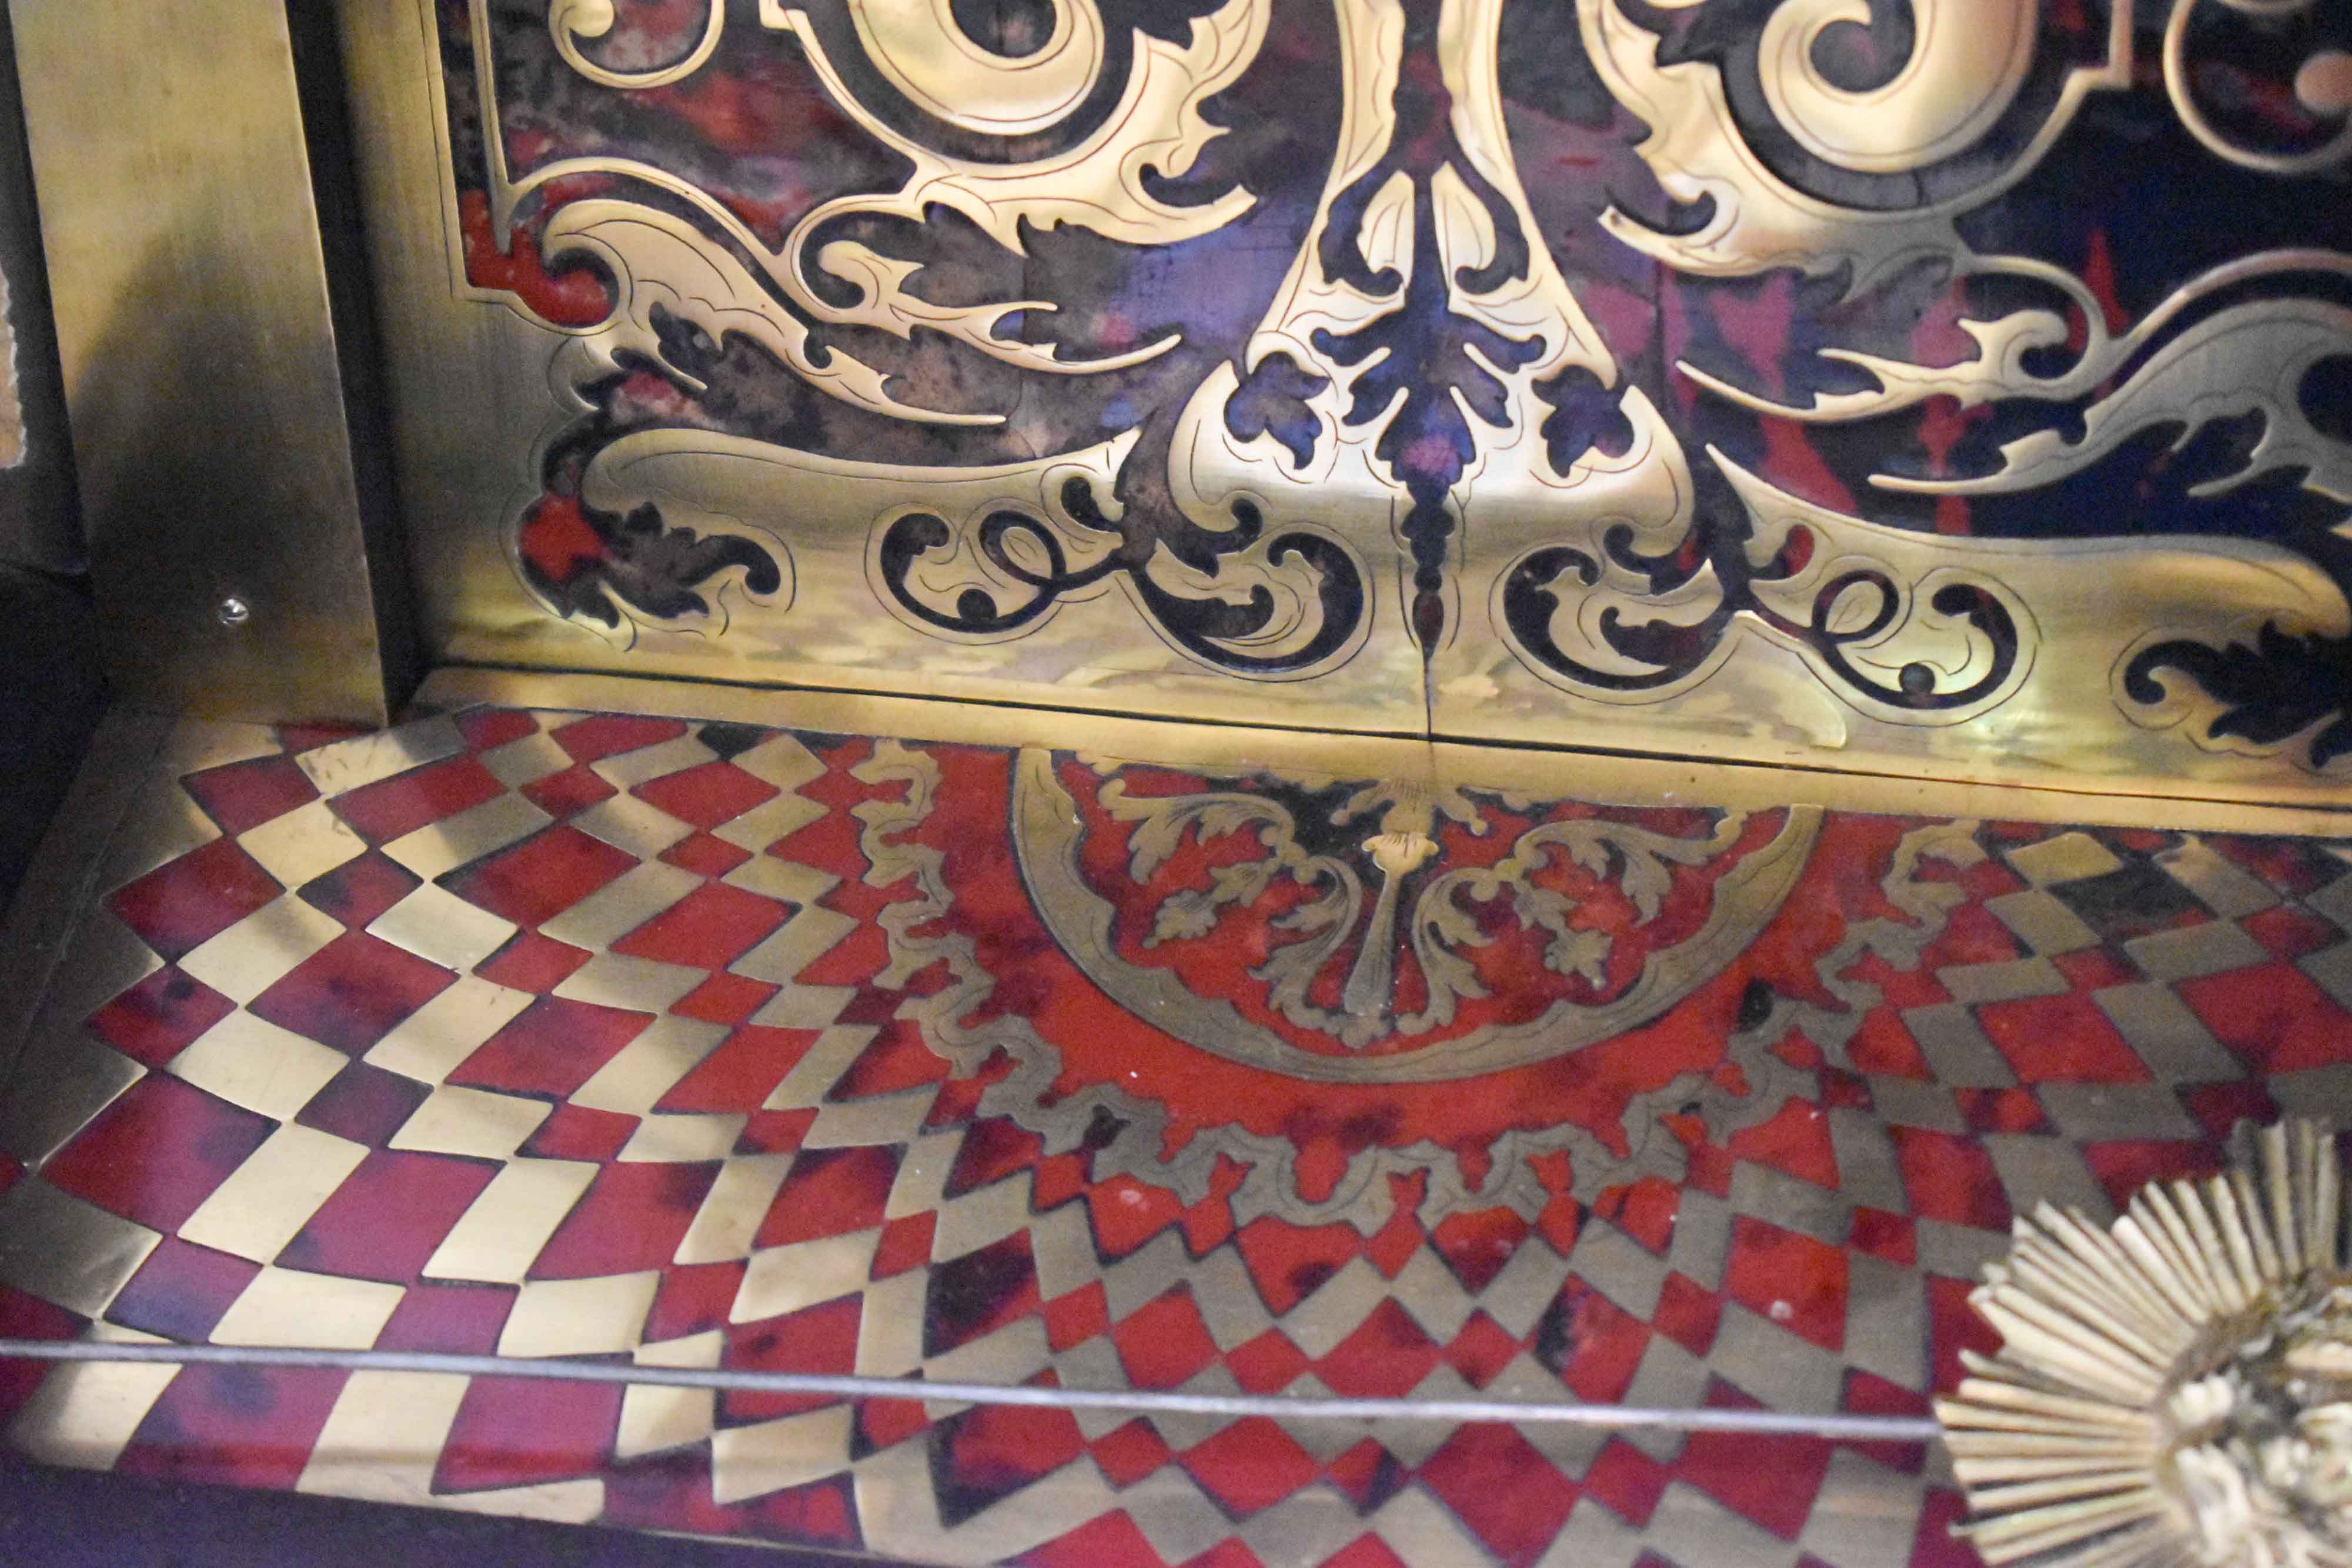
[2251, 344]
[723, 277]
[1969, 60]
[927, 55]
[1382, 924]
[987, 550]
[2176, 1387]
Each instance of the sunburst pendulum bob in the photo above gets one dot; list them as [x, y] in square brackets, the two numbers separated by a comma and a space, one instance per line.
[2174, 1389]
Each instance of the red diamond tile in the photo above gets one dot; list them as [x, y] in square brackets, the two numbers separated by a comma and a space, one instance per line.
[692, 1299]
[352, 992]
[513, 1431]
[576, 1133]
[2095, 968]
[975, 1295]
[897, 1059]
[1510, 1496]
[1688, 1313]
[707, 796]
[2064, 1038]
[24, 1316]
[1954, 1326]
[835, 1191]
[1385, 1357]
[1251, 1465]
[360, 889]
[1129, 1453]
[2000, 1110]
[743, 1070]
[2289, 932]
[550, 1048]
[1950, 1179]
[1891, 1237]
[1796, 1143]
[724, 998]
[991, 1150]
[989, 1454]
[178, 907]
[1627, 1481]
[365, 1105]
[157, 1153]
[1793, 1279]
[1163, 1343]
[532, 963]
[705, 856]
[574, 790]
[298, 738]
[774, 1132]
[907, 1244]
[383, 812]
[542, 877]
[631, 1217]
[1103, 1540]
[1590, 1343]
[157, 1018]
[180, 1291]
[2218, 1107]
[608, 735]
[233, 1425]
[1286, 1262]
[819, 1339]
[1267, 1364]
[1476, 1246]
[485, 728]
[1771, 1485]
[2273, 1016]
[885, 1423]
[709, 928]
[1364, 1552]
[1367, 1473]
[244, 795]
[389, 1215]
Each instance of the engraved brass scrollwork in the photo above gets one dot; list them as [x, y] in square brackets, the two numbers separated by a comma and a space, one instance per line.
[1383, 889]
[1425, 449]
[928, 57]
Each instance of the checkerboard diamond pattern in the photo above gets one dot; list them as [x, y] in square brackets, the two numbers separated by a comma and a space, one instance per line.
[560, 1035]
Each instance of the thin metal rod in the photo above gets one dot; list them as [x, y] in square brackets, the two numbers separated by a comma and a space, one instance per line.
[746, 1380]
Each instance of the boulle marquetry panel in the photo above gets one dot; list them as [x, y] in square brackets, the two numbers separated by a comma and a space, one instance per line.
[699, 1044]
[1932, 387]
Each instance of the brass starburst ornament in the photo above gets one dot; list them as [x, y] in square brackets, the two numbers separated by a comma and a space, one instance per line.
[2176, 1389]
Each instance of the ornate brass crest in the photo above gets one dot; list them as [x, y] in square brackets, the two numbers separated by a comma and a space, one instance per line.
[1727, 372]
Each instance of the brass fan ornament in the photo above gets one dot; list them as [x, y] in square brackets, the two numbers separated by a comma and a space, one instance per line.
[2174, 1389]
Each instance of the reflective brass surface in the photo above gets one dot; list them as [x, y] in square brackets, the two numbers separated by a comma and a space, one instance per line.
[916, 1047]
[1433, 767]
[200, 356]
[1368, 508]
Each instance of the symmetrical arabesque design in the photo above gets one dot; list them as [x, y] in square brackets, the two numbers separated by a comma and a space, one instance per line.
[1352, 336]
[596, 1034]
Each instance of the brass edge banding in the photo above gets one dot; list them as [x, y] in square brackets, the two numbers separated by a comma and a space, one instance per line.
[1614, 779]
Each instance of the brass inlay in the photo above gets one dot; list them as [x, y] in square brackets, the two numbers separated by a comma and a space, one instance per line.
[1046, 831]
[1319, 581]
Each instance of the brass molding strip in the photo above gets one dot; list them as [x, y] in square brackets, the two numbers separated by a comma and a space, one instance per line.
[195, 326]
[741, 1380]
[1596, 775]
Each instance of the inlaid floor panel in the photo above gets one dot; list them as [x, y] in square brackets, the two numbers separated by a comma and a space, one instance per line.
[693, 1043]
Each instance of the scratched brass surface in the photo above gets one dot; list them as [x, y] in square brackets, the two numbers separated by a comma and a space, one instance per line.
[1384, 462]
[229, 540]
